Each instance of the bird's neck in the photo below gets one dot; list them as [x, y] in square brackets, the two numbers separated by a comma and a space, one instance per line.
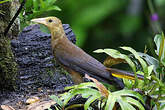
[56, 36]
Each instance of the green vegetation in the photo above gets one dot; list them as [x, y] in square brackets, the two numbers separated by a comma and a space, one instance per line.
[153, 85]
[151, 89]
[124, 97]
[112, 23]
[3, 1]
[36, 8]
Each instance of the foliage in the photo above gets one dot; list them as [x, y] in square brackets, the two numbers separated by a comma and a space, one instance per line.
[3, 1]
[153, 71]
[36, 8]
[125, 98]
[108, 20]
[127, 25]
[78, 14]
[152, 88]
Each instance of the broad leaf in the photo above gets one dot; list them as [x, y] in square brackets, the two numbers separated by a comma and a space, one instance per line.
[35, 5]
[109, 61]
[82, 85]
[150, 61]
[150, 68]
[159, 41]
[142, 62]
[85, 92]
[125, 92]
[53, 8]
[116, 54]
[57, 100]
[100, 86]
[110, 102]
[42, 4]
[3, 1]
[134, 102]
[89, 101]
[125, 105]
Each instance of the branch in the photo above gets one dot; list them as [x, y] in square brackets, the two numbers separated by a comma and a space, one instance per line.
[15, 16]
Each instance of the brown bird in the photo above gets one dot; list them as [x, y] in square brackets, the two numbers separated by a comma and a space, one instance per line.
[75, 60]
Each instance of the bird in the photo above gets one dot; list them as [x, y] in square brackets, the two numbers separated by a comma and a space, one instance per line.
[76, 61]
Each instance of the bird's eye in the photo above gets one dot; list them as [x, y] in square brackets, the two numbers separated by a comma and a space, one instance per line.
[50, 20]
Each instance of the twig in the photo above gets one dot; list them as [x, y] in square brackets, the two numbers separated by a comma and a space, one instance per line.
[15, 16]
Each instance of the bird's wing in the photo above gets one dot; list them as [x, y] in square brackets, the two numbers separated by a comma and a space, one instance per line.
[91, 67]
[83, 63]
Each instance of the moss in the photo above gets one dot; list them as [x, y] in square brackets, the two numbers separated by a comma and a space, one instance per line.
[8, 66]
[59, 68]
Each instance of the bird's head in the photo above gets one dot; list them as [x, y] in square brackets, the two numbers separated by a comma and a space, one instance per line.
[53, 23]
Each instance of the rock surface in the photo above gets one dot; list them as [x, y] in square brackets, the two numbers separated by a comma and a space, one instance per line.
[38, 71]
[33, 54]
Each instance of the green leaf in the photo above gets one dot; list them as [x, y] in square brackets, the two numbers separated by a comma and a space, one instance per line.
[156, 79]
[57, 100]
[125, 105]
[67, 97]
[116, 54]
[35, 5]
[134, 102]
[162, 47]
[42, 4]
[81, 85]
[142, 62]
[3, 1]
[29, 4]
[85, 92]
[124, 99]
[150, 68]
[162, 107]
[51, 1]
[90, 93]
[49, 109]
[53, 8]
[159, 41]
[89, 101]
[128, 83]
[150, 61]
[110, 102]
[163, 61]
[125, 92]
[101, 104]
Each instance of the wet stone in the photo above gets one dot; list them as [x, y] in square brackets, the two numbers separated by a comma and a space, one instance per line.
[36, 64]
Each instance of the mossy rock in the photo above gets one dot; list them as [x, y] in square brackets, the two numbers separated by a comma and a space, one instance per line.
[8, 66]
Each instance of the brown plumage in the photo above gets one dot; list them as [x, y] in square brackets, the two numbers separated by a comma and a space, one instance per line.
[74, 59]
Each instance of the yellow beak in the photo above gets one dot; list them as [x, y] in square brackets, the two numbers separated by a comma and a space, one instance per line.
[39, 20]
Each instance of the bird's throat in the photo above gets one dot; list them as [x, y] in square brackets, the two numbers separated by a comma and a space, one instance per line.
[56, 36]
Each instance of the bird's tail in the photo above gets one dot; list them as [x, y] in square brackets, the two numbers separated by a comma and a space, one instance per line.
[124, 74]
